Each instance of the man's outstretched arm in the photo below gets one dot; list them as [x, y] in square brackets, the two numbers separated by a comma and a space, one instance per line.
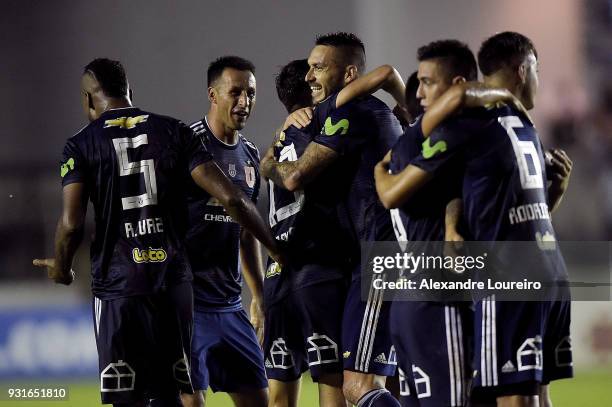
[294, 175]
[394, 190]
[384, 77]
[209, 177]
[68, 234]
[465, 95]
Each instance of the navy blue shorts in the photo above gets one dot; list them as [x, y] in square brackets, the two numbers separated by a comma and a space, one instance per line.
[433, 342]
[143, 345]
[303, 331]
[519, 342]
[225, 353]
[366, 335]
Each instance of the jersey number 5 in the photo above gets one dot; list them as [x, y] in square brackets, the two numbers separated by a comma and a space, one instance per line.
[127, 167]
[527, 158]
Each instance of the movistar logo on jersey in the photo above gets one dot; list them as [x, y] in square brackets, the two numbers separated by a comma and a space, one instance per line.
[149, 255]
[331, 129]
[273, 270]
[67, 167]
[126, 122]
[429, 150]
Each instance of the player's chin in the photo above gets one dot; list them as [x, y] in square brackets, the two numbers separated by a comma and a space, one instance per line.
[240, 122]
[318, 96]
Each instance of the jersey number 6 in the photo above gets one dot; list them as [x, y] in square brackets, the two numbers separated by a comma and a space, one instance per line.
[527, 158]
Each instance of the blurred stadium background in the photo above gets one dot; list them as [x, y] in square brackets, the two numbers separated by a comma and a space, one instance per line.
[46, 335]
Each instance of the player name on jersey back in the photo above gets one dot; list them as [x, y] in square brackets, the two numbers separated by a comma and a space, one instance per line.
[132, 164]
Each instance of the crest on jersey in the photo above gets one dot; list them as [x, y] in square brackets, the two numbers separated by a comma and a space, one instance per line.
[249, 175]
[232, 170]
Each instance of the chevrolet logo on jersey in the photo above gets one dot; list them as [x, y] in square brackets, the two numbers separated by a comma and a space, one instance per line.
[149, 255]
[67, 167]
[331, 129]
[126, 122]
[429, 150]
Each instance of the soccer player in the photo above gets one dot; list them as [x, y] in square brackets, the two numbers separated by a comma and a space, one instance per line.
[433, 362]
[130, 164]
[520, 346]
[225, 349]
[298, 324]
[353, 138]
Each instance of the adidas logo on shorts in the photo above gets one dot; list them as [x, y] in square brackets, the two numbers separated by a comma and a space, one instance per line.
[268, 363]
[508, 367]
[381, 358]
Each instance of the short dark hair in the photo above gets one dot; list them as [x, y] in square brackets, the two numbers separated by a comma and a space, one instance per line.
[291, 85]
[455, 56]
[506, 49]
[352, 47]
[110, 75]
[413, 104]
[215, 69]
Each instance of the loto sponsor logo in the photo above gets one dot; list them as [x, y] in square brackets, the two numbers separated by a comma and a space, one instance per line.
[149, 255]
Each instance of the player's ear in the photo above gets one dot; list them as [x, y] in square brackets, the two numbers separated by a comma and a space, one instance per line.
[130, 95]
[522, 73]
[458, 79]
[212, 95]
[90, 103]
[350, 74]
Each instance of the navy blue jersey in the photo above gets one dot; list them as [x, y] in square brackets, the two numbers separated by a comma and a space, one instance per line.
[422, 218]
[213, 238]
[308, 220]
[132, 164]
[504, 185]
[361, 132]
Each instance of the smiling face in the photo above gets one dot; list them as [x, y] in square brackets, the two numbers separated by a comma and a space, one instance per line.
[433, 82]
[233, 96]
[326, 73]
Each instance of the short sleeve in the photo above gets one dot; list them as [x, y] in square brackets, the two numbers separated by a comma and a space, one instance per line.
[444, 145]
[342, 131]
[407, 147]
[73, 166]
[194, 150]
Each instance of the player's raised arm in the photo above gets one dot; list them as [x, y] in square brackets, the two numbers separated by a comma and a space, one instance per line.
[209, 177]
[68, 234]
[384, 77]
[294, 175]
[465, 95]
